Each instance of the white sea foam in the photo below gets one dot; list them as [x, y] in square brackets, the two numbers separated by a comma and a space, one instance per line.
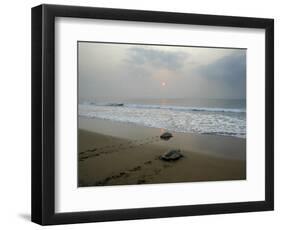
[170, 107]
[216, 121]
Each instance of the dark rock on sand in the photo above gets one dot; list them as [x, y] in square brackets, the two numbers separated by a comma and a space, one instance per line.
[171, 155]
[115, 104]
[141, 181]
[166, 136]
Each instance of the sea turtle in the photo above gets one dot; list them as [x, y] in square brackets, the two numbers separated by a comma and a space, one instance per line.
[171, 155]
[166, 136]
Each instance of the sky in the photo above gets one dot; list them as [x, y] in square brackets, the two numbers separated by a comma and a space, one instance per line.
[114, 71]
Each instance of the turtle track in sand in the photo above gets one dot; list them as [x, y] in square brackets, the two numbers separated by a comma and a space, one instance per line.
[95, 152]
[147, 165]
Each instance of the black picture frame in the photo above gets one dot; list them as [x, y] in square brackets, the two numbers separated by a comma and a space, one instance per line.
[43, 114]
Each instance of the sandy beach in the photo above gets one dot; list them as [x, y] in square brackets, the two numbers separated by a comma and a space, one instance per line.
[115, 153]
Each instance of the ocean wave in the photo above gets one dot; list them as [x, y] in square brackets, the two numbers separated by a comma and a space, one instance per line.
[170, 107]
[186, 108]
[201, 121]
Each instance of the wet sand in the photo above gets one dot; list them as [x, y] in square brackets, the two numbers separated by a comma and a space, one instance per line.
[111, 153]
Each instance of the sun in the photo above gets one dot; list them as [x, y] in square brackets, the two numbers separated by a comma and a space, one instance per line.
[163, 84]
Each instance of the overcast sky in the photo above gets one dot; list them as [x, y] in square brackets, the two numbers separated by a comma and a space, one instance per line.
[140, 71]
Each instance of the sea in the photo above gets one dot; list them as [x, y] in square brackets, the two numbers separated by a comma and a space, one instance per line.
[226, 117]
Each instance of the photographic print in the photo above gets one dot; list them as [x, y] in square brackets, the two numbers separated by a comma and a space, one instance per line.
[131, 99]
[160, 114]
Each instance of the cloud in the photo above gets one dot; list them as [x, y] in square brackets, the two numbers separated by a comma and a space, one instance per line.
[156, 58]
[228, 73]
[135, 71]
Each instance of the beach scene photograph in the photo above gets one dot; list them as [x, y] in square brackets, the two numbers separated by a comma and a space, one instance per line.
[150, 114]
